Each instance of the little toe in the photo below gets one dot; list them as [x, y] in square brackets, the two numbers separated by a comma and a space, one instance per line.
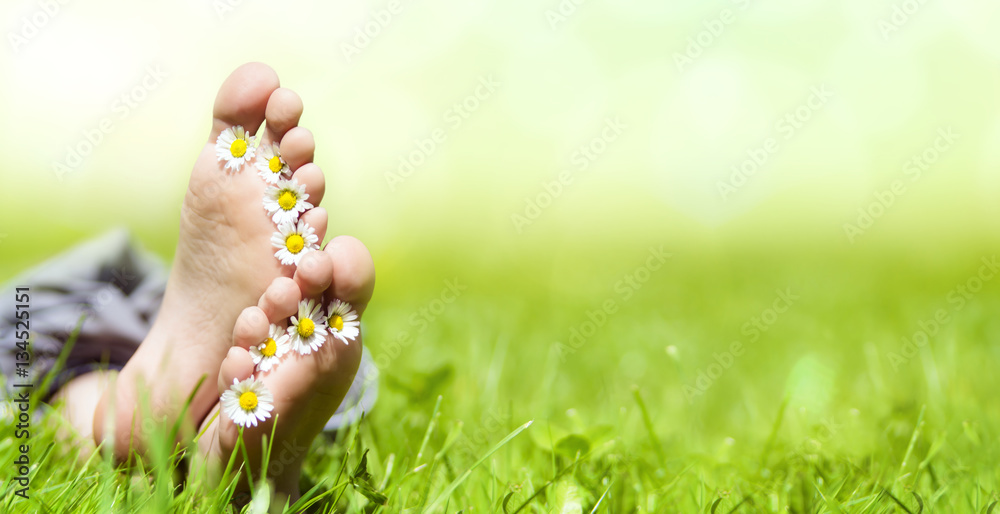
[238, 365]
[317, 218]
[353, 272]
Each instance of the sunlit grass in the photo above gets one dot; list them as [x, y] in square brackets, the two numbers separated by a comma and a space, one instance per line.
[824, 411]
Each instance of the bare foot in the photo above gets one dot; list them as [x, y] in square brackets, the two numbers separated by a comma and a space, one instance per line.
[306, 388]
[224, 262]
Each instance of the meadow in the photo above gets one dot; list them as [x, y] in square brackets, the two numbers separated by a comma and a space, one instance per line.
[677, 375]
[645, 256]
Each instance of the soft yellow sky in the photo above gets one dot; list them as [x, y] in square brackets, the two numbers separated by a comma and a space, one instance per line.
[666, 119]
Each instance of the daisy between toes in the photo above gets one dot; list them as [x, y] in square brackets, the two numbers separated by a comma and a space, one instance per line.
[286, 201]
[271, 167]
[247, 402]
[235, 148]
[293, 240]
[342, 321]
[268, 354]
[308, 330]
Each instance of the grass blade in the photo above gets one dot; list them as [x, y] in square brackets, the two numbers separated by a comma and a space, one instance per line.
[458, 481]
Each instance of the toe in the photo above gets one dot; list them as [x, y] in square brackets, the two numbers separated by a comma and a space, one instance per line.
[312, 177]
[284, 108]
[238, 365]
[353, 272]
[297, 147]
[251, 327]
[280, 300]
[243, 98]
[314, 274]
[317, 218]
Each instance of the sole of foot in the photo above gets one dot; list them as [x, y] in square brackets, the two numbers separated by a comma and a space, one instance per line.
[224, 261]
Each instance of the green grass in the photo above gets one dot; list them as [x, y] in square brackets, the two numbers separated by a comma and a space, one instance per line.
[815, 415]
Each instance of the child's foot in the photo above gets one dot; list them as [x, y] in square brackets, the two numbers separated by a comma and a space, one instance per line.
[224, 262]
[307, 389]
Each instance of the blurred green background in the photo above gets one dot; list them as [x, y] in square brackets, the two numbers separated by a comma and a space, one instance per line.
[558, 79]
[741, 137]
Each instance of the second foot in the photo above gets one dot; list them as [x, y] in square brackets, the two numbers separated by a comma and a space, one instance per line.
[305, 388]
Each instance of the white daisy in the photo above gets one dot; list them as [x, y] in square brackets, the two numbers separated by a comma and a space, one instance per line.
[342, 321]
[293, 240]
[247, 402]
[271, 166]
[308, 330]
[234, 147]
[268, 354]
[285, 201]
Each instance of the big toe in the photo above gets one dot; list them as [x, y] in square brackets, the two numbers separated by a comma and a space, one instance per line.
[243, 97]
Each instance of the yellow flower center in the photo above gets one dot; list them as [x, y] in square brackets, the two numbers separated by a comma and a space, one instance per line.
[248, 401]
[287, 200]
[295, 243]
[275, 164]
[306, 327]
[270, 348]
[337, 322]
[238, 148]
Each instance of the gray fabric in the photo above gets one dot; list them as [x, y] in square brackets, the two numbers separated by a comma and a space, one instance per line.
[117, 288]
